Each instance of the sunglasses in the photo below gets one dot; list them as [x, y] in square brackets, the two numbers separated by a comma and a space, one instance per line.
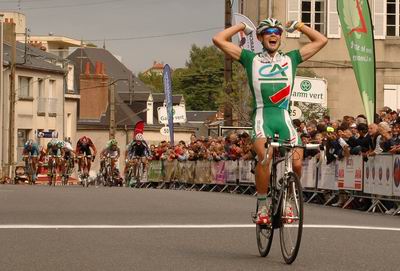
[272, 30]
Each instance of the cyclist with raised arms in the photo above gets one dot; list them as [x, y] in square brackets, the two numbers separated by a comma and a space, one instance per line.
[31, 151]
[271, 77]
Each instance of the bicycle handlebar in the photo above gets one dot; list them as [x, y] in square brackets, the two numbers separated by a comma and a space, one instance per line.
[287, 145]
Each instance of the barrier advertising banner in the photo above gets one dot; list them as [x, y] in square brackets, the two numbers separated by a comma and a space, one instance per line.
[309, 173]
[184, 173]
[231, 171]
[369, 178]
[327, 175]
[155, 171]
[203, 172]
[218, 172]
[169, 170]
[396, 175]
[384, 177]
[350, 173]
[245, 175]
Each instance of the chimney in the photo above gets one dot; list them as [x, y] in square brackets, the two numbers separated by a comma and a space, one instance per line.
[98, 68]
[93, 103]
[102, 69]
[9, 34]
[87, 69]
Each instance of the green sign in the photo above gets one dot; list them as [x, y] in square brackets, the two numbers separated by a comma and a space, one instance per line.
[355, 19]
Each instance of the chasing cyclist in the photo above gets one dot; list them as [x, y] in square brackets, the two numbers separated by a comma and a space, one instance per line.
[84, 148]
[137, 149]
[31, 151]
[68, 158]
[113, 151]
[271, 77]
[54, 152]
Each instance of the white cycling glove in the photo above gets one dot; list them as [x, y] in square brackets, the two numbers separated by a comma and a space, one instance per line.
[247, 30]
[293, 25]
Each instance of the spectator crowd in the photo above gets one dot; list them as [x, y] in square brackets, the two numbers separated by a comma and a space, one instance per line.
[338, 138]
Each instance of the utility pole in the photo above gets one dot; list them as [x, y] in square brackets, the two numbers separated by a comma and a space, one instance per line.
[11, 134]
[228, 68]
[111, 99]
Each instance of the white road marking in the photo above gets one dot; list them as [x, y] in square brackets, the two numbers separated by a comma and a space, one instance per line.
[172, 226]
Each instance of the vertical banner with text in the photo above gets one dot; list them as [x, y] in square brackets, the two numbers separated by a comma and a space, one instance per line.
[355, 19]
[168, 97]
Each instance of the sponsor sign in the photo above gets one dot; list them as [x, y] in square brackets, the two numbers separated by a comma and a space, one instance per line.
[178, 114]
[49, 134]
[310, 90]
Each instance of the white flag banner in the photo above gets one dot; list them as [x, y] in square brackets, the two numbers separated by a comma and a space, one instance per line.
[249, 42]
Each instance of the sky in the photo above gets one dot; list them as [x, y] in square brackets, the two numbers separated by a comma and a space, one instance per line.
[128, 26]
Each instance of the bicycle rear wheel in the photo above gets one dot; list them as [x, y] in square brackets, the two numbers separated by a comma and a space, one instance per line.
[264, 234]
[291, 218]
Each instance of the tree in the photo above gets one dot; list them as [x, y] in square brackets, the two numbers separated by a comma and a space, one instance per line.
[201, 81]
[152, 80]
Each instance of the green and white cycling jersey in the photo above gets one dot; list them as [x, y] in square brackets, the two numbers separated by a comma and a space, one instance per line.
[271, 81]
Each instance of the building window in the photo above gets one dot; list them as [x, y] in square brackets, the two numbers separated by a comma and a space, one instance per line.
[392, 18]
[41, 101]
[22, 137]
[313, 14]
[24, 87]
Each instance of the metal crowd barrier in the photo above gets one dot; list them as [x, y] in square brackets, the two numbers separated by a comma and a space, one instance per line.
[377, 180]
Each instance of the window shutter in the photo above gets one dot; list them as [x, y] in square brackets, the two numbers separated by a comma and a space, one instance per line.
[379, 19]
[293, 13]
[333, 20]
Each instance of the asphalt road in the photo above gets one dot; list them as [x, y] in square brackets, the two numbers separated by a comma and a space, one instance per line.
[72, 228]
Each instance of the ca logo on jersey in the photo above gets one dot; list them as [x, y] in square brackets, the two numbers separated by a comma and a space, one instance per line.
[266, 72]
[269, 74]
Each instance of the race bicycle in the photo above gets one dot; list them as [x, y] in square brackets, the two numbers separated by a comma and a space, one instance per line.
[68, 168]
[286, 209]
[52, 169]
[29, 170]
[84, 175]
[135, 172]
[109, 174]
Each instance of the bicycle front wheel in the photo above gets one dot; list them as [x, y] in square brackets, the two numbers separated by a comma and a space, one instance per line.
[291, 218]
[264, 234]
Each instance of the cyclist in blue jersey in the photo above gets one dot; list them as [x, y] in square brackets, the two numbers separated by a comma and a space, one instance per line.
[31, 151]
[271, 76]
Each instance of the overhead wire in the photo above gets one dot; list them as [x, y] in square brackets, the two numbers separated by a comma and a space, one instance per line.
[156, 36]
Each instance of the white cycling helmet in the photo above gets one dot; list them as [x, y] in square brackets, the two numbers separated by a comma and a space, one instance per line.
[267, 23]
